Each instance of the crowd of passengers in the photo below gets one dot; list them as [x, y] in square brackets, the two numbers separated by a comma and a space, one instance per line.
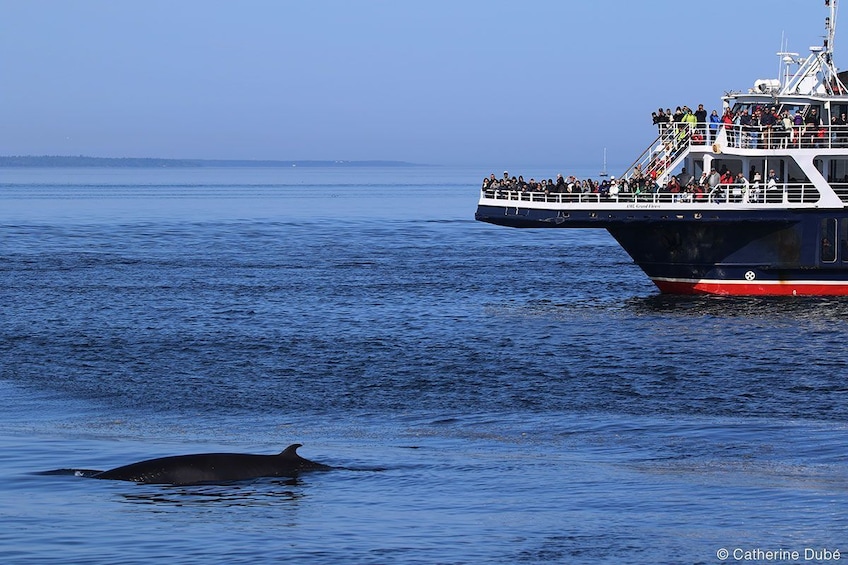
[760, 127]
[716, 186]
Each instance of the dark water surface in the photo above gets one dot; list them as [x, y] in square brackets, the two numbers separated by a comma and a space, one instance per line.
[492, 395]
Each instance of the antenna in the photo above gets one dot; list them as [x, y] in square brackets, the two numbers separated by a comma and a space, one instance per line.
[785, 60]
[830, 27]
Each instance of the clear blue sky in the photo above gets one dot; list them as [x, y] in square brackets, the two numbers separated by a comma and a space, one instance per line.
[498, 83]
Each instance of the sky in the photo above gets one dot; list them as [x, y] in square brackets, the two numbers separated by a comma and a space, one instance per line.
[494, 83]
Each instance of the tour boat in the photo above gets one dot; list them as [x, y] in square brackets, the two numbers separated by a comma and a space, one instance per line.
[765, 212]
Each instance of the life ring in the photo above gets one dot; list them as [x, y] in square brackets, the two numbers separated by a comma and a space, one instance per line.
[716, 148]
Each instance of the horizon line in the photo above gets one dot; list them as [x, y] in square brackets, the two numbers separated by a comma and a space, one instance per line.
[86, 160]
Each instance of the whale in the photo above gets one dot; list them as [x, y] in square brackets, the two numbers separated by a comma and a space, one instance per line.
[211, 468]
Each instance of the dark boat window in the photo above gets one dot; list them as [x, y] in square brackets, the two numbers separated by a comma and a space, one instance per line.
[843, 240]
[792, 109]
[828, 240]
[837, 109]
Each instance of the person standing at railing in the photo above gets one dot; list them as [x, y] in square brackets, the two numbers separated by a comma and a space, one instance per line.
[812, 123]
[787, 130]
[684, 177]
[755, 188]
[560, 183]
[744, 121]
[772, 191]
[768, 121]
[701, 119]
[614, 189]
[797, 128]
[841, 131]
[715, 121]
[713, 180]
[637, 178]
[756, 128]
[660, 119]
[834, 128]
[690, 123]
[724, 187]
[727, 121]
[740, 188]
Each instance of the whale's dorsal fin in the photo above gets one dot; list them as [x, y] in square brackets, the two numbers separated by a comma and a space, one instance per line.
[291, 451]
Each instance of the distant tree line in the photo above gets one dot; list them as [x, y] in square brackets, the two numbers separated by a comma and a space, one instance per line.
[139, 162]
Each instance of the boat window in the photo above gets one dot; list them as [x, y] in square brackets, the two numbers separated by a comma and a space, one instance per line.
[724, 165]
[843, 240]
[751, 107]
[837, 171]
[738, 107]
[828, 239]
[793, 109]
[837, 176]
[787, 170]
[838, 109]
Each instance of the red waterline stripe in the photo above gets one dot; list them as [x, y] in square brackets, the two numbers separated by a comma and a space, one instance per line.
[777, 288]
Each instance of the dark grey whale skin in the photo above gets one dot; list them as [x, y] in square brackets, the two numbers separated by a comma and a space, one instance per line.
[211, 468]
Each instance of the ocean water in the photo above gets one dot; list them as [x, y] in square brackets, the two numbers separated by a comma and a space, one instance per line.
[487, 395]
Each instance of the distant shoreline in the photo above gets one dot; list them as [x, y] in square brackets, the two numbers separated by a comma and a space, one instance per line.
[144, 162]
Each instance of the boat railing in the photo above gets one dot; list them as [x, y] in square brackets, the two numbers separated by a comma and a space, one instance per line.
[841, 190]
[663, 155]
[678, 136]
[796, 137]
[783, 194]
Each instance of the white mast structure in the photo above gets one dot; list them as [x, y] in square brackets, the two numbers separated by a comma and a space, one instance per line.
[816, 75]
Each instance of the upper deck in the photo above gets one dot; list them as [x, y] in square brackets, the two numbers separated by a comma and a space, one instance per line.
[810, 166]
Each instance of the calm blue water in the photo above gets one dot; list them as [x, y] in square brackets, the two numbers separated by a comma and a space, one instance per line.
[494, 395]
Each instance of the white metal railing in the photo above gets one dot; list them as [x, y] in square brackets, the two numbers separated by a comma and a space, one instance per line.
[796, 137]
[674, 139]
[778, 195]
[673, 142]
[663, 154]
[677, 136]
[841, 190]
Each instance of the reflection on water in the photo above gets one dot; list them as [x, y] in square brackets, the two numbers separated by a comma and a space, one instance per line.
[813, 309]
[264, 492]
